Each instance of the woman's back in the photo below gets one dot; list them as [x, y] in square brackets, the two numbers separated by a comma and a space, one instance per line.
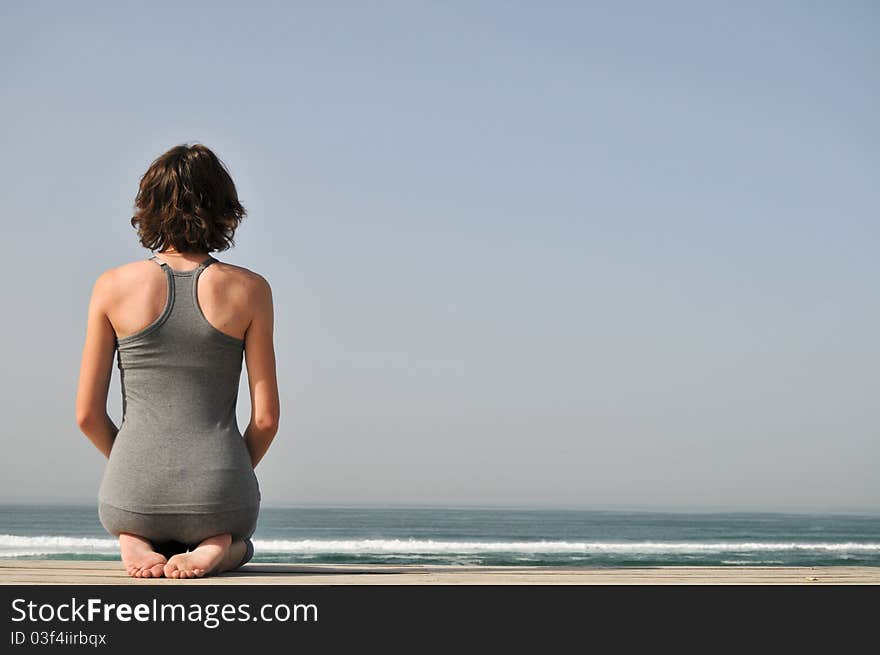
[179, 448]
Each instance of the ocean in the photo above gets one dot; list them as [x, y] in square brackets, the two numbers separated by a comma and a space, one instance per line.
[488, 537]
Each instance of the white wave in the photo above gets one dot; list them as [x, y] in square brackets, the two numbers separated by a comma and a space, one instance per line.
[426, 546]
[17, 546]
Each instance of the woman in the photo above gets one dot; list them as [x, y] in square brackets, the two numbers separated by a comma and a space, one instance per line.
[179, 488]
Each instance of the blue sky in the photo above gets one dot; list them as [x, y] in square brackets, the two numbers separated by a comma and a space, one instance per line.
[599, 255]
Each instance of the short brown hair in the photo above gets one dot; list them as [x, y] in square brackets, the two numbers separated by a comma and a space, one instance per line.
[188, 200]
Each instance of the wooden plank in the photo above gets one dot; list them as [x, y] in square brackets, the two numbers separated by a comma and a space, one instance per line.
[110, 572]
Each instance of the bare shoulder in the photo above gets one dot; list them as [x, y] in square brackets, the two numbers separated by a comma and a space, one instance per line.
[116, 279]
[254, 285]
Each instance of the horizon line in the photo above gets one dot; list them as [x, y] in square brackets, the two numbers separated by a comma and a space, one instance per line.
[623, 508]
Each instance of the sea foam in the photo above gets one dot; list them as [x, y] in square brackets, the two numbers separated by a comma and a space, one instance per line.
[19, 546]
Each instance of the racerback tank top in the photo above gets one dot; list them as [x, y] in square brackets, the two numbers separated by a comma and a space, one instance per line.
[179, 449]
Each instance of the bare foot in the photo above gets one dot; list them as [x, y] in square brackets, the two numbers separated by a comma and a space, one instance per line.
[233, 556]
[139, 558]
[201, 561]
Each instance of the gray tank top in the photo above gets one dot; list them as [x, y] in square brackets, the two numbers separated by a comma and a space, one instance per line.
[179, 449]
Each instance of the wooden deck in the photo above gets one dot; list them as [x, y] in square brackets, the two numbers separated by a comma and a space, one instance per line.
[89, 573]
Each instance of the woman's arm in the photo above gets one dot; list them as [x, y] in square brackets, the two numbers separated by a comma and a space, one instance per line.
[95, 371]
[260, 356]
